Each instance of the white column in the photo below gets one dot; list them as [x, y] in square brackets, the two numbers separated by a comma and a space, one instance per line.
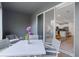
[0, 22]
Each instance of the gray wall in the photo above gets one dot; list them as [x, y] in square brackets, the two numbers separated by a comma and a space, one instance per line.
[33, 18]
[14, 22]
[77, 29]
[34, 25]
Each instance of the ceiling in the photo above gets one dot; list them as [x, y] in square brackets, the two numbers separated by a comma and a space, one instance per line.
[65, 14]
[27, 7]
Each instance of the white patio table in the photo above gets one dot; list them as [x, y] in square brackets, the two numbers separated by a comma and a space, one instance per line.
[22, 48]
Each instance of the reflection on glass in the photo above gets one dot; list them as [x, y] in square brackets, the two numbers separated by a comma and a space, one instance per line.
[65, 27]
[49, 26]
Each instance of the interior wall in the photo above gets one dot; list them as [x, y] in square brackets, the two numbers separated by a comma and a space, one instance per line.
[77, 29]
[0, 22]
[14, 23]
[70, 25]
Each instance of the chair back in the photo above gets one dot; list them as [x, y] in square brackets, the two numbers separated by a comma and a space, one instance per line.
[11, 37]
[56, 43]
[4, 43]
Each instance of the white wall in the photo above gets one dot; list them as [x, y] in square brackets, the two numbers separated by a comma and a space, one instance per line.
[0, 22]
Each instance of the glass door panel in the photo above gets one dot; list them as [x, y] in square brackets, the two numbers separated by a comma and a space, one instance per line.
[49, 26]
[65, 26]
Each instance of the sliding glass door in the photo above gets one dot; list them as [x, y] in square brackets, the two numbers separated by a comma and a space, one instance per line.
[64, 17]
[58, 23]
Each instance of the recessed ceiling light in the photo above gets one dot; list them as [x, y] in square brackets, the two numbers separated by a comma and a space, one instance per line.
[59, 15]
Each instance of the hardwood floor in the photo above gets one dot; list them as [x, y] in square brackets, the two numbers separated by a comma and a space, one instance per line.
[67, 44]
[63, 55]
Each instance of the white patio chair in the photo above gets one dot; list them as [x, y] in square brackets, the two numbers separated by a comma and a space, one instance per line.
[53, 47]
[4, 44]
[12, 38]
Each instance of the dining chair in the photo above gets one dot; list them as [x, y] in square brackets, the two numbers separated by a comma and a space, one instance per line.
[53, 48]
[4, 43]
[12, 38]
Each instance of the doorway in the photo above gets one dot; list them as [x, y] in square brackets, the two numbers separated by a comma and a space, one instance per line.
[40, 26]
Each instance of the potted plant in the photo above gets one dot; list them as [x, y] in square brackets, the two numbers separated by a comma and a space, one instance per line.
[28, 32]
